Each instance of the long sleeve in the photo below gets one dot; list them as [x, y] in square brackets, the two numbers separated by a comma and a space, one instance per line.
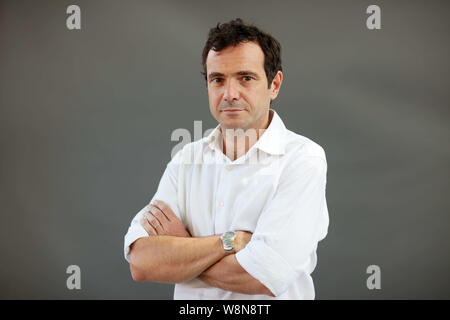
[167, 192]
[289, 227]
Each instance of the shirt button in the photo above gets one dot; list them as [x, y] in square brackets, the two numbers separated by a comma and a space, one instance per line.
[221, 203]
[229, 168]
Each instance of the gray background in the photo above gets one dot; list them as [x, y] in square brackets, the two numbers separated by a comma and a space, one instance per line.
[86, 118]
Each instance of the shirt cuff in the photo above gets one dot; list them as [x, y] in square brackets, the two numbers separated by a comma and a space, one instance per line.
[131, 237]
[267, 266]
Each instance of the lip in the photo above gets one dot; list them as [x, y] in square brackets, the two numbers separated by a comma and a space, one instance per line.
[232, 110]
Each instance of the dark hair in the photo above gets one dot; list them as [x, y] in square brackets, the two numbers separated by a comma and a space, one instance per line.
[236, 32]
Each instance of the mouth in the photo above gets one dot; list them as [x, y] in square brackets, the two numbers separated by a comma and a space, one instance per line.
[232, 110]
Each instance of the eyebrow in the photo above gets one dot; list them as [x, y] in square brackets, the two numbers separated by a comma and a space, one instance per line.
[239, 73]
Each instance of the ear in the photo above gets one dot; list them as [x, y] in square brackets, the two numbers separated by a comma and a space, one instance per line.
[276, 84]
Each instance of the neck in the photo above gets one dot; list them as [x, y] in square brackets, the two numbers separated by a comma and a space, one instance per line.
[237, 142]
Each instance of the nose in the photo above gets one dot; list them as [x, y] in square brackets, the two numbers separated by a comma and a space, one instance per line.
[231, 91]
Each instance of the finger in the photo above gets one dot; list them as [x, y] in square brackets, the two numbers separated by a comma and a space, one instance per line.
[154, 222]
[158, 214]
[165, 209]
[149, 228]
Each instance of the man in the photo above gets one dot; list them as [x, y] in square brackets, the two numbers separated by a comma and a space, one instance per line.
[237, 214]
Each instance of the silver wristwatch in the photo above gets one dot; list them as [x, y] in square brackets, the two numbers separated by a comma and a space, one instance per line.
[228, 241]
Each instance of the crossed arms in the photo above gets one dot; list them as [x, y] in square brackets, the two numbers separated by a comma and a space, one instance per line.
[287, 232]
[171, 255]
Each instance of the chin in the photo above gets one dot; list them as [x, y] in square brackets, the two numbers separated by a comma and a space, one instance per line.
[235, 125]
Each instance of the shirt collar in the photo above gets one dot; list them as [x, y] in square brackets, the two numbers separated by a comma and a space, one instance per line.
[272, 141]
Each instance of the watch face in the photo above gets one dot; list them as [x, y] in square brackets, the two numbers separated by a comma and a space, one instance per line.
[228, 240]
[229, 235]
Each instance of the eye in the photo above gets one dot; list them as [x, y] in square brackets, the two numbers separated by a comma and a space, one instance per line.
[247, 78]
[216, 80]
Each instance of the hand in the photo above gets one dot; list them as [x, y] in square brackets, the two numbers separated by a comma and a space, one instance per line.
[161, 220]
[241, 240]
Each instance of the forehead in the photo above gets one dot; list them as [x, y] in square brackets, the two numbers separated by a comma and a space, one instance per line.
[244, 56]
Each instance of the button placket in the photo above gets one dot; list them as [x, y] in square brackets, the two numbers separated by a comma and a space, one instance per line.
[220, 201]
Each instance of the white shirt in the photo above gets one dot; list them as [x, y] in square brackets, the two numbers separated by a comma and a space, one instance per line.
[280, 198]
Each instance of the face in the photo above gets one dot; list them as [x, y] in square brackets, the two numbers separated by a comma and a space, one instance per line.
[239, 96]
